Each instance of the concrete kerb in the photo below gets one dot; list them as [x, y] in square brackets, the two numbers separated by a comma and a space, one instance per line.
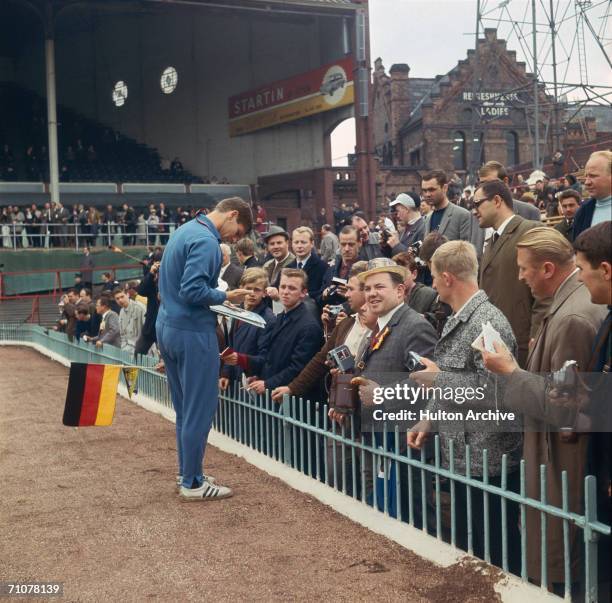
[510, 588]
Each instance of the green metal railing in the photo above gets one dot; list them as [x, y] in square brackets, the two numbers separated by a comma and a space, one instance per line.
[377, 470]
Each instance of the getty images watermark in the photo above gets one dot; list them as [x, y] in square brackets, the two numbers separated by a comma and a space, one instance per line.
[404, 393]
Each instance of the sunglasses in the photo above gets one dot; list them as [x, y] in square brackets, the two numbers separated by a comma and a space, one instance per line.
[478, 203]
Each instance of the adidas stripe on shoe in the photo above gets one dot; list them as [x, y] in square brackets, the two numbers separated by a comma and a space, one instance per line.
[206, 491]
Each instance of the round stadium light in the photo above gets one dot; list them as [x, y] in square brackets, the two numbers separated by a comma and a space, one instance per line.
[169, 80]
[120, 92]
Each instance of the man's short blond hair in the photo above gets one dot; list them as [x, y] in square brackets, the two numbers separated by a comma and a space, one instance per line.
[457, 258]
[605, 154]
[303, 230]
[547, 245]
[254, 275]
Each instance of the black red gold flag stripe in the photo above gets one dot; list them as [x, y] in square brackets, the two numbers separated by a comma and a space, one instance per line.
[91, 396]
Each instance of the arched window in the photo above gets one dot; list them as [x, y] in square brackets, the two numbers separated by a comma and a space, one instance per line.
[459, 151]
[512, 150]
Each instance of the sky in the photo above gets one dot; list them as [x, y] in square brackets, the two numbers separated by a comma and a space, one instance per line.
[432, 35]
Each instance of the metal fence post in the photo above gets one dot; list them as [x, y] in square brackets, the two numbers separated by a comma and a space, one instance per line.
[590, 539]
[14, 235]
[286, 410]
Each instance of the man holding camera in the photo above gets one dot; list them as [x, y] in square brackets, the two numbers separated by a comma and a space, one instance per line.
[399, 331]
[334, 283]
[407, 207]
[547, 265]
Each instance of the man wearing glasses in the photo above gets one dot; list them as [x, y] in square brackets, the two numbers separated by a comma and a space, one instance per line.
[493, 208]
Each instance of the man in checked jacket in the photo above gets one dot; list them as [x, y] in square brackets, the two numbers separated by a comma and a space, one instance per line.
[456, 366]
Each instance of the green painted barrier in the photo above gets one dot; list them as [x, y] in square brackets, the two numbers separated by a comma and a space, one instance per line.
[36, 270]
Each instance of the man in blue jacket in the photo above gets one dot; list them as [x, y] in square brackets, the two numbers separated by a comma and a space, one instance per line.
[186, 333]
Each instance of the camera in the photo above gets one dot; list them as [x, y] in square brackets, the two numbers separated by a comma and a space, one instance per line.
[336, 283]
[385, 235]
[414, 362]
[342, 359]
[335, 310]
[565, 380]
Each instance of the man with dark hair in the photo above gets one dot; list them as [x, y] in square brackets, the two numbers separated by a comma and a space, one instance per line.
[594, 261]
[370, 241]
[493, 208]
[492, 170]
[131, 319]
[109, 325]
[419, 297]
[67, 322]
[291, 341]
[148, 288]
[450, 220]
[245, 252]
[186, 333]
[569, 200]
[350, 248]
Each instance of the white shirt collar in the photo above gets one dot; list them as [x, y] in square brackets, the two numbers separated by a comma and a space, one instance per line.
[383, 321]
[303, 262]
[467, 302]
[223, 269]
[502, 226]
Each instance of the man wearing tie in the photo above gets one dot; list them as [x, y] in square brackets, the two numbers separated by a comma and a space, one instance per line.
[493, 208]
[277, 243]
[306, 259]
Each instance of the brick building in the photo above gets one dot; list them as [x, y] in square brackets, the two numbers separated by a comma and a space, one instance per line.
[424, 123]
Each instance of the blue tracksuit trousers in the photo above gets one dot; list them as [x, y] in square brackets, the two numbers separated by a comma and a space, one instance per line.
[192, 368]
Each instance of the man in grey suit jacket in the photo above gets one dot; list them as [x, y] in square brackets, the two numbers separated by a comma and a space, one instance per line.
[399, 330]
[450, 220]
[110, 332]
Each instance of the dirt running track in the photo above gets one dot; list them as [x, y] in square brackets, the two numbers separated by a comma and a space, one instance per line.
[96, 509]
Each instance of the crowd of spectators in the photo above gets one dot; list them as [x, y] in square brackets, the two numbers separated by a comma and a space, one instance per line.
[427, 284]
[55, 225]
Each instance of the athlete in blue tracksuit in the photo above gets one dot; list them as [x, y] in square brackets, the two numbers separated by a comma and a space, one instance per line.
[186, 332]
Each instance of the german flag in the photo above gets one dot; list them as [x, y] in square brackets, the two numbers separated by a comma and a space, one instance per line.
[91, 396]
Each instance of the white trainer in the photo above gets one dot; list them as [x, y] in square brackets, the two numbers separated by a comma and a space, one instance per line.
[206, 491]
[179, 481]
